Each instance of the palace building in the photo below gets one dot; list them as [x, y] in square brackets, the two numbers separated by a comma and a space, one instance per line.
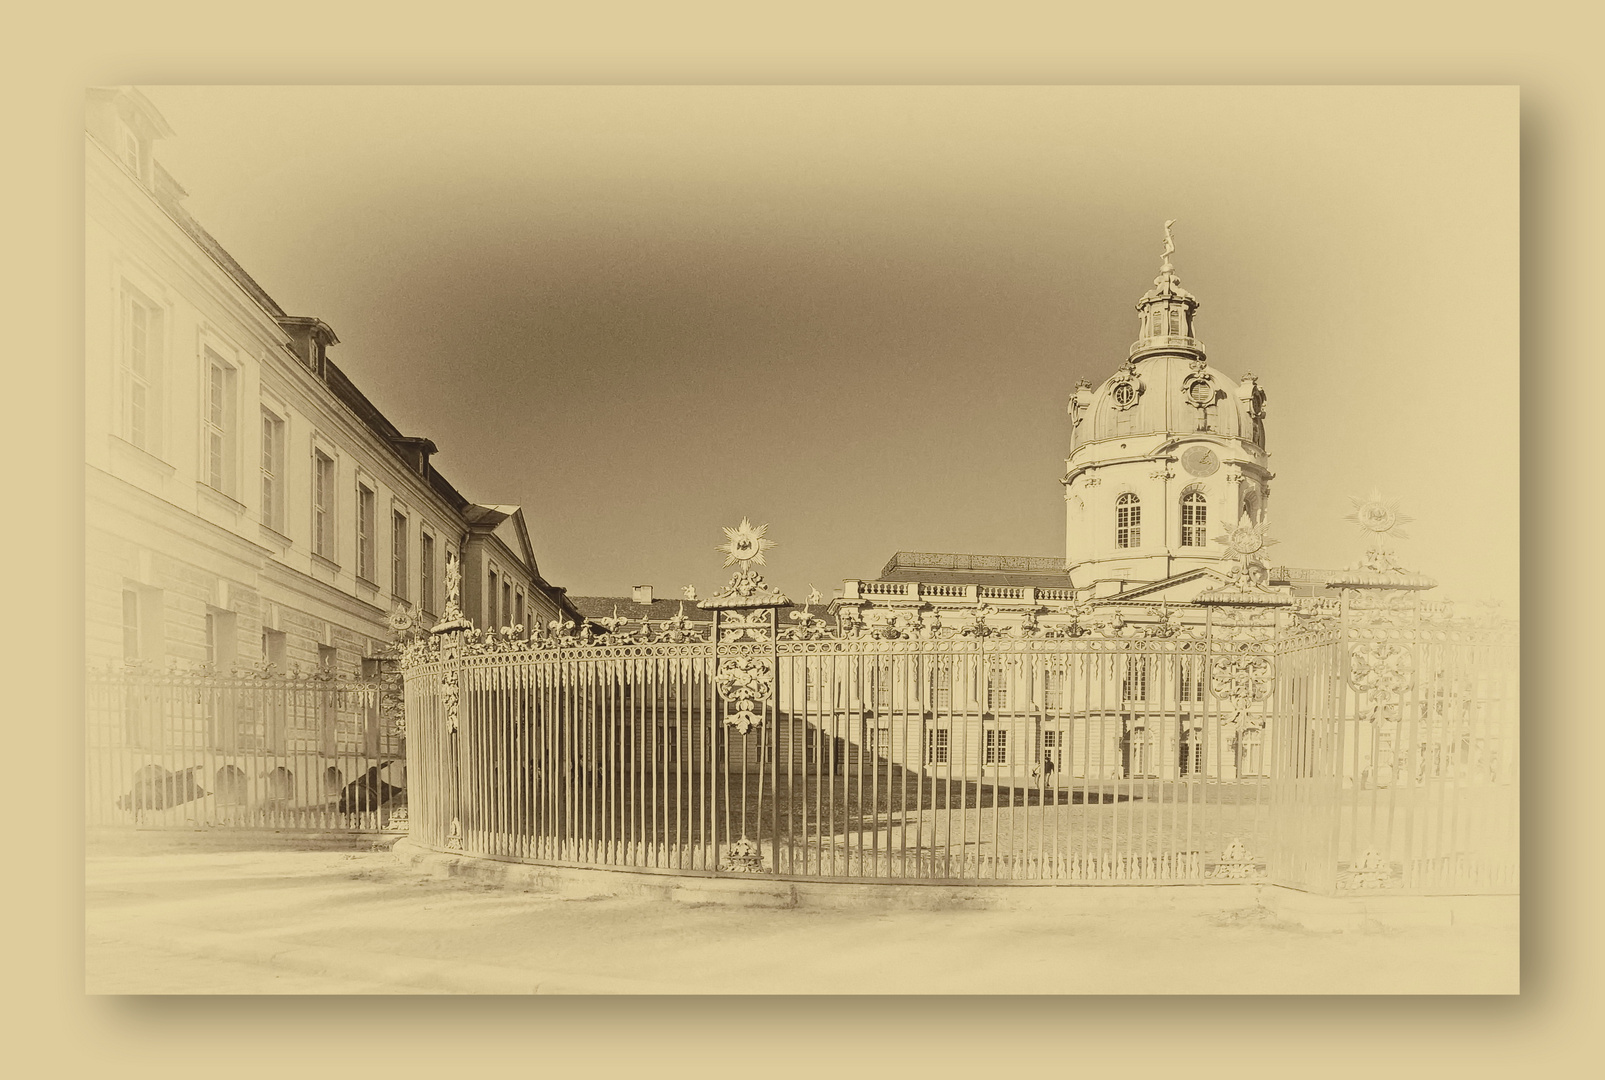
[245, 502]
[1167, 454]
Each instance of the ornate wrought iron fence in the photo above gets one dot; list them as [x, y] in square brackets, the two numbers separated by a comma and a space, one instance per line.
[1364, 743]
[855, 756]
[241, 750]
[1398, 763]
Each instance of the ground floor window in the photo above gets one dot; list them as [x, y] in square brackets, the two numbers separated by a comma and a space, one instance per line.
[997, 746]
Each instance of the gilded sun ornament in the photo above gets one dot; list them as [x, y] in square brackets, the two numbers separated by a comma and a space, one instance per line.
[745, 544]
[1246, 539]
[1377, 515]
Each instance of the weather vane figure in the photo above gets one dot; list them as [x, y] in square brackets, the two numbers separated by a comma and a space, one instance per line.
[1170, 245]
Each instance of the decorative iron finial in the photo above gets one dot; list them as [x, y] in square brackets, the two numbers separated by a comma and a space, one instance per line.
[1378, 516]
[745, 544]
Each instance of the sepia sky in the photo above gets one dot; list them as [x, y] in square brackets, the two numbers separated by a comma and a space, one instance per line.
[855, 313]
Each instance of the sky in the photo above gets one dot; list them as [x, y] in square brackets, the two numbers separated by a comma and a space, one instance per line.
[855, 314]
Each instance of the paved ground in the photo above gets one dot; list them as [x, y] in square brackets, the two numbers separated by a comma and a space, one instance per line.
[167, 921]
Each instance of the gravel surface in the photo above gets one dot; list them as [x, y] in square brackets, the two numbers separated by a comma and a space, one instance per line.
[333, 922]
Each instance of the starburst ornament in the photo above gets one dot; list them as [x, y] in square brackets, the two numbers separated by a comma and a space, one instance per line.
[1246, 539]
[745, 544]
[1377, 515]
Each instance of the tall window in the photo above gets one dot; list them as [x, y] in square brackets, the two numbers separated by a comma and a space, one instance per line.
[272, 471]
[1053, 689]
[141, 368]
[941, 685]
[130, 624]
[398, 554]
[883, 685]
[490, 602]
[1190, 751]
[997, 746]
[810, 683]
[1194, 512]
[507, 601]
[1134, 687]
[997, 689]
[1175, 321]
[936, 746]
[219, 424]
[1192, 679]
[322, 504]
[1128, 521]
[426, 561]
[365, 523]
[1251, 753]
[518, 608]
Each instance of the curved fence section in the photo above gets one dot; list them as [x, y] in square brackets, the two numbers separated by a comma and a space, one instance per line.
[1321, 753]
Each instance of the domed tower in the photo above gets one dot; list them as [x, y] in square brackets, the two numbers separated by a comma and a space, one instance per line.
[1165, 454]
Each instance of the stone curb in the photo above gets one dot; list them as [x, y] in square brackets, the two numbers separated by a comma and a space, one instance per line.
[1289, 906]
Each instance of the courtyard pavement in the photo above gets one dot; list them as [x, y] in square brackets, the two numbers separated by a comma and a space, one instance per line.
[169, 920]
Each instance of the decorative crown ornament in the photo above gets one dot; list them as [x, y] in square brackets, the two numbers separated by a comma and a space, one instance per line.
[1378, 516]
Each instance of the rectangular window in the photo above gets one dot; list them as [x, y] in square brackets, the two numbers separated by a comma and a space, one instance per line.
[1053, 690]
[883, 685]
[426, 561]
[272, 471]
[810, 684]
[130, 624]
[1175, 321]
[211, 638]
[326, 658]
[507, 601]
[398, 554]
[490, 602]
[997, 689]
[997, 746]
[518, 609]
[323, 504]
[936, 746]
[1134, 687]
[140, 369]
[365, 504]
[877, 740]
[1192, 679]
[218, 425]
[941, 686]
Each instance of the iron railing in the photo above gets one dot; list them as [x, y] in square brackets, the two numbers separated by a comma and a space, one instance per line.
[1250, 746]
[262, 750]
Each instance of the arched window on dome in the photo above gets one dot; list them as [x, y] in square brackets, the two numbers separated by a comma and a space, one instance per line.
[1194, 519]
[1128, 521]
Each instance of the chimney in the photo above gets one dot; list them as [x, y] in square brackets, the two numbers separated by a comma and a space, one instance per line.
[641, 594]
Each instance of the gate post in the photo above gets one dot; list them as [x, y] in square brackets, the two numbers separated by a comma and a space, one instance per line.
[746, 656]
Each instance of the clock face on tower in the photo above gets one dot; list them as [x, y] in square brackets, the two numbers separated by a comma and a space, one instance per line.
[1200, 460]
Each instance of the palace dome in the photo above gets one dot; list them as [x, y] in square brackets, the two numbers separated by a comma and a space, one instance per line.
[1162, 393]
[1166, 386]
